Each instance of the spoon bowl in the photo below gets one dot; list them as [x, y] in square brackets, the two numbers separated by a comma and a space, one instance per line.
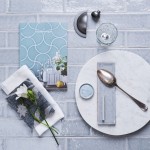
[106, 77]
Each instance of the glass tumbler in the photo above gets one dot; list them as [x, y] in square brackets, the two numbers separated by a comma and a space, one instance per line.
[106, 34]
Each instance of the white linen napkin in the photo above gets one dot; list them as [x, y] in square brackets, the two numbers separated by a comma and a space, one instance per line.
[19, 77]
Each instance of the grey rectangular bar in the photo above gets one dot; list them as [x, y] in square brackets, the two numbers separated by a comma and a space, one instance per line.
[106, 98]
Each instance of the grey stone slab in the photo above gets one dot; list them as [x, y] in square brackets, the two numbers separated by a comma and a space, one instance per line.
[11, 22]
[13, 127]
[17, 6]
[69, 18]
[63, 106]
[138, 5]
[33, 143]
[72, 110]
[138, 39]
[105, 6]
[95, 133]
[3, 109]
[11, 70]
[9, 56]
[75, 128]
[85, 53]
[13, 39]
[2, 72]
[2, 96]
[144, 132]
[138, 144]
[3, 6]
[127, 21]
[96, 144]
[73, 72]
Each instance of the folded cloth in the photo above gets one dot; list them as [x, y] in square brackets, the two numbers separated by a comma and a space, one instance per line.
[20, 76]
[26, 108]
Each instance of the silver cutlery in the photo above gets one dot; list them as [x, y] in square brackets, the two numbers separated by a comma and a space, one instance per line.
[109, 80]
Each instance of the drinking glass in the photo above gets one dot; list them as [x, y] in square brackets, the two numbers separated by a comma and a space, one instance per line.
[106, 34]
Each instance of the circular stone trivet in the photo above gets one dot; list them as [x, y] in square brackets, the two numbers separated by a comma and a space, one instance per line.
[133, 75]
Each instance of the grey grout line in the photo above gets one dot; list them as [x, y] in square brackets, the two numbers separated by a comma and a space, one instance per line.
[84, 48]
[66, 13]
[6, 72]
[125, 42]
[7, 6]
[6, 40]
[126, 144]
[74, 13]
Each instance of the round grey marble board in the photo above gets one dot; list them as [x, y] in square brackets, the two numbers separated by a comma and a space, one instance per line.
[133, 75]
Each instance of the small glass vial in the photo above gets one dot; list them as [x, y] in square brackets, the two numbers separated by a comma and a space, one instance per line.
[50, 74]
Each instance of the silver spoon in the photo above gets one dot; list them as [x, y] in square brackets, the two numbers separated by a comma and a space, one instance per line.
[109, 80]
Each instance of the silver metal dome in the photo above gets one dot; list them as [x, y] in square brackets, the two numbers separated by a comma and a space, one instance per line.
[80, 24]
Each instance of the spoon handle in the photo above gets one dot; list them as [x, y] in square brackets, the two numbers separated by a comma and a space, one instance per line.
[140, 104]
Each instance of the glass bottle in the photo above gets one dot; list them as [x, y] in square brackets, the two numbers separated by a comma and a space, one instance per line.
[50, 73]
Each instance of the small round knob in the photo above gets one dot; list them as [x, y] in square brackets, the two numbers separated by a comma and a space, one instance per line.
[95, 15]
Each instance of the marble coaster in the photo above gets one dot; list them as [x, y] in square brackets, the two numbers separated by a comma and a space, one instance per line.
[106, 98]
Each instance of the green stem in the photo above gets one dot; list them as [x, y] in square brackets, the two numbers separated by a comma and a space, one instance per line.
[39, 121]
[43, 118]
[48, 125]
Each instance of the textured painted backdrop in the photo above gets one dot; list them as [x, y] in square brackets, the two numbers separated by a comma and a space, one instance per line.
[132, 18]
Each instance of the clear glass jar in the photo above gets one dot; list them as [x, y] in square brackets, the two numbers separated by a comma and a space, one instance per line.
[106, 34]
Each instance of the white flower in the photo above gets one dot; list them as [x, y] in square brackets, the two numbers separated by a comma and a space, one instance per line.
[22, 110]
[62, 68]
[22, 91]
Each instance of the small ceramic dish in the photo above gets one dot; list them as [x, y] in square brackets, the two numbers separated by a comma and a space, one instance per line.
[86, 91]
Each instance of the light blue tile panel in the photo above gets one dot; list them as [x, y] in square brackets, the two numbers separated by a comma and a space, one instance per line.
[39, 43]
